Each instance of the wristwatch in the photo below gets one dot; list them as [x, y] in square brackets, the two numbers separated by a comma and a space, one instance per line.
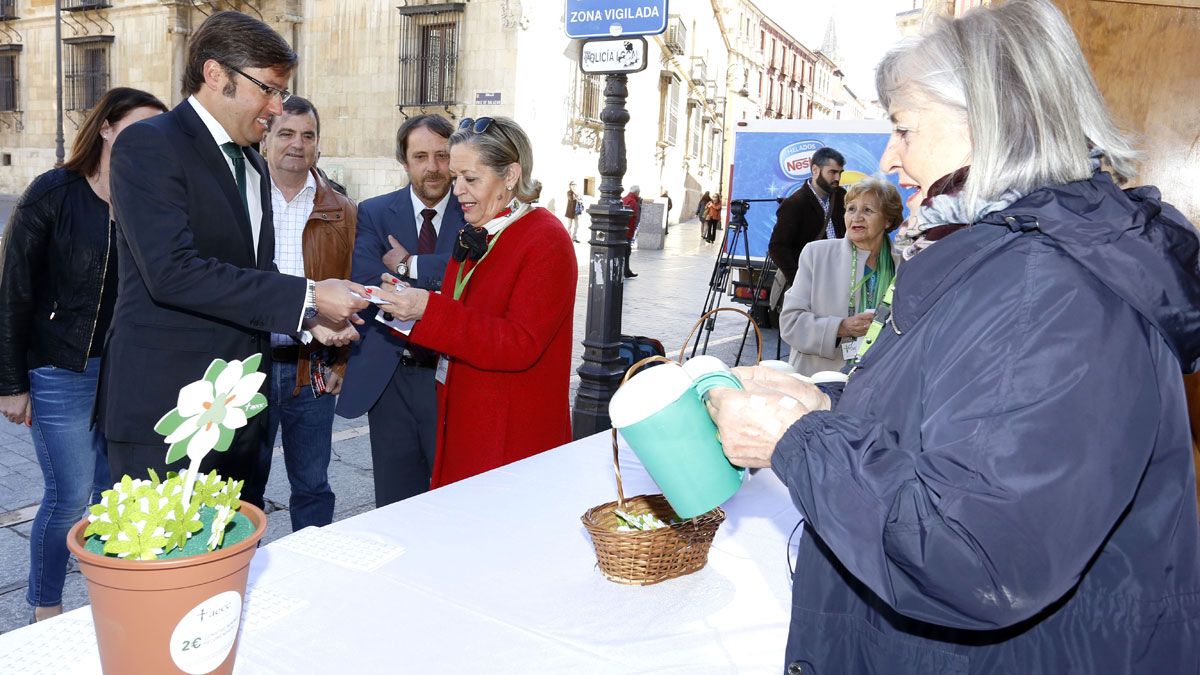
[310, 300]
[402, 268]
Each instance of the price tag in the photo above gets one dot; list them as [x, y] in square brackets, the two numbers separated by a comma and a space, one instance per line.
[850, 348]
[204, 636]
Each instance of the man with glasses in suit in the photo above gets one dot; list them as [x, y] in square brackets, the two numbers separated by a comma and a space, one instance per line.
[409, 233]
[195, 248]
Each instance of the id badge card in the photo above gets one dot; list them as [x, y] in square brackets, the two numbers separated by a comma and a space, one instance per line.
[443, 369]
[850, 349]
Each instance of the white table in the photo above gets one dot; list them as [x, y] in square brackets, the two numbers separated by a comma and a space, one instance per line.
[498, 575]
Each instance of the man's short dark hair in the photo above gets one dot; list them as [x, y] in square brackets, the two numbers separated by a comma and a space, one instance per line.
[435, 123]
[298, 105]
[826, 155]
[235, 40]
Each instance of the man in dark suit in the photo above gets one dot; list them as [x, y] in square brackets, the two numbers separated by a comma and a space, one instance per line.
[815, 211]
[409, 233]
[195, 246]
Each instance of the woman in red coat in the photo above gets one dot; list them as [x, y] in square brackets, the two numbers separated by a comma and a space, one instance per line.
[503, 319]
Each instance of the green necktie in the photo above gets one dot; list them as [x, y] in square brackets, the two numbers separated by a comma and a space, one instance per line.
[239, 170]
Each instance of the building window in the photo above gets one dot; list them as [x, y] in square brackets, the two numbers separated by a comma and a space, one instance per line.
[694, 127]
[8, 10]
[429, 54]
[8, 81]
[589, 98]
[87, 71]
[668, 130]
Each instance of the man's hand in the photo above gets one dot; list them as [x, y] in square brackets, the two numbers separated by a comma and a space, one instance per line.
[394, 255]
[334, 335]
[751, 422]
[336, 304]
[857, 325]
[333, 383]
[17, 408]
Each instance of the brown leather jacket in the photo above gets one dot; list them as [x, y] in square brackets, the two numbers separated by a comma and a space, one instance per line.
[328, 244]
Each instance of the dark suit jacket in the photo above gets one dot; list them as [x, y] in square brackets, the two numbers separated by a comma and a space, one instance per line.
[374, 358]
[799, 220]
[190, 287]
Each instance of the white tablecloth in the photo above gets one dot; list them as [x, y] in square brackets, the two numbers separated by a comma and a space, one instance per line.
[498, 575]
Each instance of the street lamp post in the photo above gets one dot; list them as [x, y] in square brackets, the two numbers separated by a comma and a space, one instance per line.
[601, 372]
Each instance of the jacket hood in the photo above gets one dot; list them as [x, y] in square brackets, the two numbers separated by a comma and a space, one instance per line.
[1141, 248]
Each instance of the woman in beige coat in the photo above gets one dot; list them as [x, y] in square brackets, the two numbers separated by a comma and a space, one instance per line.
[840, 281]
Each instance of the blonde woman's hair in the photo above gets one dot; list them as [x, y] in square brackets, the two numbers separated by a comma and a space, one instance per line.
[501, 144]
[1018, 77]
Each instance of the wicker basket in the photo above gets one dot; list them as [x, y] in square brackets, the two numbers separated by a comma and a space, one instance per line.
[641, 558]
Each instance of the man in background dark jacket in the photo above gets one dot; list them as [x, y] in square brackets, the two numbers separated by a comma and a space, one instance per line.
[815, 211]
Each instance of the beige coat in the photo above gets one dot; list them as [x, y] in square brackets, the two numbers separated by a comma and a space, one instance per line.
[817, 302]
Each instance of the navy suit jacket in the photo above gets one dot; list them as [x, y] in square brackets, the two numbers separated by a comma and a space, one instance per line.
[374, 358]
[190, 285]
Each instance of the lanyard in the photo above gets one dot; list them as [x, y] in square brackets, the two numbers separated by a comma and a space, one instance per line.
[864, 288]
[882, 313]
[460, 282]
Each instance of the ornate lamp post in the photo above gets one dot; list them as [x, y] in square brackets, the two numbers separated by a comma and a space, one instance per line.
[601, 371]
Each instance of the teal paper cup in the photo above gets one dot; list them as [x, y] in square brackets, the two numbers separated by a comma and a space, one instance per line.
[660, 415]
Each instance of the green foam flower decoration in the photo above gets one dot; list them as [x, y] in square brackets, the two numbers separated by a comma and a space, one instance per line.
[209, 411]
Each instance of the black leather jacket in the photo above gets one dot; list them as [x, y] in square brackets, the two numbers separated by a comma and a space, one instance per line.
[58, 263]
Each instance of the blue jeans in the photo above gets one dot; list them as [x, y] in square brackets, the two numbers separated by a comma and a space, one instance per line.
[307, 423]
[74, 466]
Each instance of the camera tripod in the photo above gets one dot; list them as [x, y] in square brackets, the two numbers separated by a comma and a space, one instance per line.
[735, 236]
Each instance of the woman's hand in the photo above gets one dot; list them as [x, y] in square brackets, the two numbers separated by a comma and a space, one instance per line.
[856, 325]
[806, 393]
[17, 409]
[751, 422]
[406, 304]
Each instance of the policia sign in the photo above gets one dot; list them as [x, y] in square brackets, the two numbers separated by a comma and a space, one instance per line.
[612, 56]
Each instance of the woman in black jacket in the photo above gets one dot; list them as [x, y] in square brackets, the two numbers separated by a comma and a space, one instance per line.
[57, 293]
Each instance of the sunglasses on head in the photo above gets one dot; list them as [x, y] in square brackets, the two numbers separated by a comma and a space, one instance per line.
[477, 125]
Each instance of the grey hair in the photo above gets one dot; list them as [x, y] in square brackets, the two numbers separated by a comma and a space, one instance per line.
[889, 198]
[1018, 77]
[635, 189]
[501, 144]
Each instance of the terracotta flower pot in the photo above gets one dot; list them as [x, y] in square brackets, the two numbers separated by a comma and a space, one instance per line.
[168, 616]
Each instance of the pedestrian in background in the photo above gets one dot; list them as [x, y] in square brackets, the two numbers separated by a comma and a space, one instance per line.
[632, 201]
[712, 218]
[571, 213]
[667, 219]
[57, 294]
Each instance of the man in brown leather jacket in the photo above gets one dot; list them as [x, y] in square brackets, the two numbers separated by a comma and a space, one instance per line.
[314, 238]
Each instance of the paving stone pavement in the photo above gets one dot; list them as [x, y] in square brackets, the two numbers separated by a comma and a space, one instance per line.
[662, 302]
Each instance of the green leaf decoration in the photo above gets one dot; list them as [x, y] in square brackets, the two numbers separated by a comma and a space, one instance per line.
[169, 422]
[251, 364]
[224, 440]
[178, 450]
[215, 369]
[255, 405]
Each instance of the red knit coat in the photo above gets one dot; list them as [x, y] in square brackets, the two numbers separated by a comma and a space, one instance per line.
[506, 395]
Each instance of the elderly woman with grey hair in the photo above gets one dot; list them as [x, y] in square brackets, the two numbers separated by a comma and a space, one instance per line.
[1005, 483]
[840, 282]
[503, 322]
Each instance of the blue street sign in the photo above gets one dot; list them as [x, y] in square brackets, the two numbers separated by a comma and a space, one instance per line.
[613, 18]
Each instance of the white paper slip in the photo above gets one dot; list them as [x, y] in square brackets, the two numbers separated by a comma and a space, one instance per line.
[67, 639]
[356, 553]
[264, 607]
[395, 324]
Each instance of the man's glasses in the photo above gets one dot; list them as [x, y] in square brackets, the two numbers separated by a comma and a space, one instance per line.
[267, 89]
[477, 125]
